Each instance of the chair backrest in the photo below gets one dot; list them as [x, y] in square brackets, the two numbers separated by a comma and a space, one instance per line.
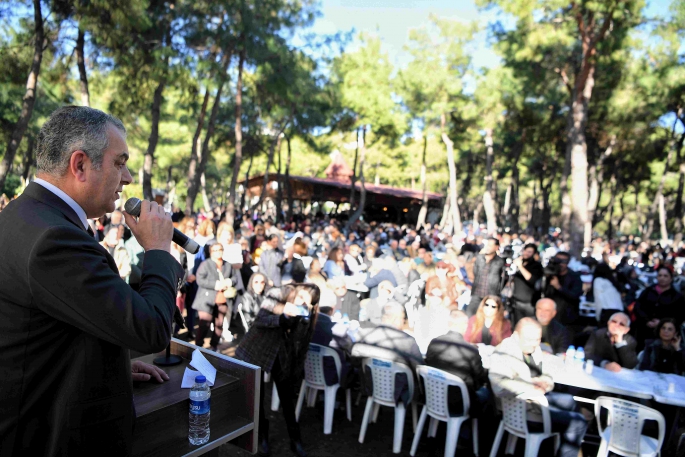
[437, 382]
[383, 374]
[515, 415]
[627, 419]
[313, 364]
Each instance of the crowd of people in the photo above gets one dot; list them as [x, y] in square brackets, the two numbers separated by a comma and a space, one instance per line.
[368, 292]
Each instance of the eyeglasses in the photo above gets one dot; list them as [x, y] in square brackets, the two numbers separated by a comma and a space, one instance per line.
[619, 323]
[217, 250]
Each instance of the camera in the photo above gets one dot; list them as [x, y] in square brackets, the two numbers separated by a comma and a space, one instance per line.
[552, 268]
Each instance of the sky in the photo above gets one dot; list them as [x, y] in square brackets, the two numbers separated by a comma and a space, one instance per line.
[391, 20]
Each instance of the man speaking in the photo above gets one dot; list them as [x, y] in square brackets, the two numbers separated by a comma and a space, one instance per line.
[67, 320]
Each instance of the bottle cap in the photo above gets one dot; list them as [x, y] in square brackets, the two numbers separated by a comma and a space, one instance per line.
[200, 379]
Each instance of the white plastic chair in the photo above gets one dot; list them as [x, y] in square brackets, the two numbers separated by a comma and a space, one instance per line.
[515, 421]
[436, 383]
[314, 380]
[383, 375]
[623, 433]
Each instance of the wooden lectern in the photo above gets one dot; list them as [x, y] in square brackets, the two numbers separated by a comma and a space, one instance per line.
[161, 427]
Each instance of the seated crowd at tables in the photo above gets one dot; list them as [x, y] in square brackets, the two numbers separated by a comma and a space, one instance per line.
[373, 288]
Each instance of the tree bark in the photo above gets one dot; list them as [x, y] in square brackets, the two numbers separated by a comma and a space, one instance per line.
[237, 160]
[353, 187]
[28, 161]
[247, 177]
[678, 210]
[29, 99]
[449, 145]
[289, 187]
[660, 190]
[424, 196]
[194, 182]
[275, 144]
[361, 147]
[596, 179]
[149, 159]
[662, 218]
[196, 146]
[279, 193]
[81, 64]
[489, 194]
[203, 191]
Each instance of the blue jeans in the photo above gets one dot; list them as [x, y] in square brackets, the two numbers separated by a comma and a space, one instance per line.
[566, 420]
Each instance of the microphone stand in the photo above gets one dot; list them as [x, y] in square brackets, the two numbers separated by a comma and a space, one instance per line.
[168, 359]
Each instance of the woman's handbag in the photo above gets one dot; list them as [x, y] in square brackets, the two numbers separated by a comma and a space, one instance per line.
[229, 293]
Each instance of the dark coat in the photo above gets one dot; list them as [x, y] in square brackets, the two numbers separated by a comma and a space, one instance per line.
[68, 322]
[451, 353]
[567, 297]
[495, 282]
[652, 305]
[524, 289]
[349, 304]
[599, 349]
[557, 336]
[206, 278]
[251, 304]
[656, 358]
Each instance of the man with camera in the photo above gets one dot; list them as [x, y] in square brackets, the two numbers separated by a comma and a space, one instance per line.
[528, 273]
[564, 287]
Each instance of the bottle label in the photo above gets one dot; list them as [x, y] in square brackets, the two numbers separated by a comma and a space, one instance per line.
[199, 406]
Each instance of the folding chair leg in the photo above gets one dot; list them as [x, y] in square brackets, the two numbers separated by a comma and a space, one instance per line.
[603, 449]
[376, 408]
[359, 398]
[417, 432]
[474, 431]
[498, 440]
[414, 415]
[329, 408]
[300, 401]
[453, 426]
[311, 398]
[365, 420]
[433, 428]
[533, 443]
[511, 444]
[348, 404]
[275, 399]
[400, 412]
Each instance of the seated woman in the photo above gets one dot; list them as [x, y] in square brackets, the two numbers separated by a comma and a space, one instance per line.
[335, 265]
[488, 325]
[664, 355]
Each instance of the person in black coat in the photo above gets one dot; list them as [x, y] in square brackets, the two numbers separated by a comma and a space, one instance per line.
[68, 319]
[556, 338]
[347, 301]
[528, 272]
[453, 354]
[278, 343]
[658, 302]
[488, 275]
[251, 301]
[218, 286]
[664, 355]
[333, 335]
[612, 348]
[565, 289]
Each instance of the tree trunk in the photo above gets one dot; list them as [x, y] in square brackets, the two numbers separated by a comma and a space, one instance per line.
[196, 146]
[29, 98]
[678, 210]
[81, 64]
[28, 161]
[660, 190]
[361, 147]
[489, 194]
[275, 144]
[445, 210]
[596, 179]
[424, 197]
[279, 193]
[152, 140]
[662, 218]
[169, 185]
[377, 179]
[195, 181]
[565, 196]
[449, 145]
[289, 187]
[237, 160]
[353, 187]
[203, 191]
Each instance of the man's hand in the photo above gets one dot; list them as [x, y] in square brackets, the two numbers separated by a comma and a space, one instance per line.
[290, 309]
[613, 366]
[653, 323]
[144, 372]
[554, 282]
[153, 229]
[542, 383]
[190, 278]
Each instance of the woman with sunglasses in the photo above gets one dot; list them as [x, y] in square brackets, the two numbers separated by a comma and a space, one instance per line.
[488, 325]
[278, 343]
[664, 355]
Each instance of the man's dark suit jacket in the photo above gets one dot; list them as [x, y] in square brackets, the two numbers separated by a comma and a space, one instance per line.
[557, 336]
[451, 353]
[67, 322]
[599, 349]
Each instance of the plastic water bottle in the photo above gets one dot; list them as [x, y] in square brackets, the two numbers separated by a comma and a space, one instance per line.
[346, 319]
[362, 314]
[198, 416]
[337, 316]
[579, 358]
[570, 355]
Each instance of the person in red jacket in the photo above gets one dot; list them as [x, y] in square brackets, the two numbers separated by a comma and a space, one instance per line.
[488, 325]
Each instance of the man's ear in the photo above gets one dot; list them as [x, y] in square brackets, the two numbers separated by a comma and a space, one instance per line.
[78, 164]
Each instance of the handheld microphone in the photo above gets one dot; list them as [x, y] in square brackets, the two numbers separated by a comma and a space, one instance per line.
[132, 207]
